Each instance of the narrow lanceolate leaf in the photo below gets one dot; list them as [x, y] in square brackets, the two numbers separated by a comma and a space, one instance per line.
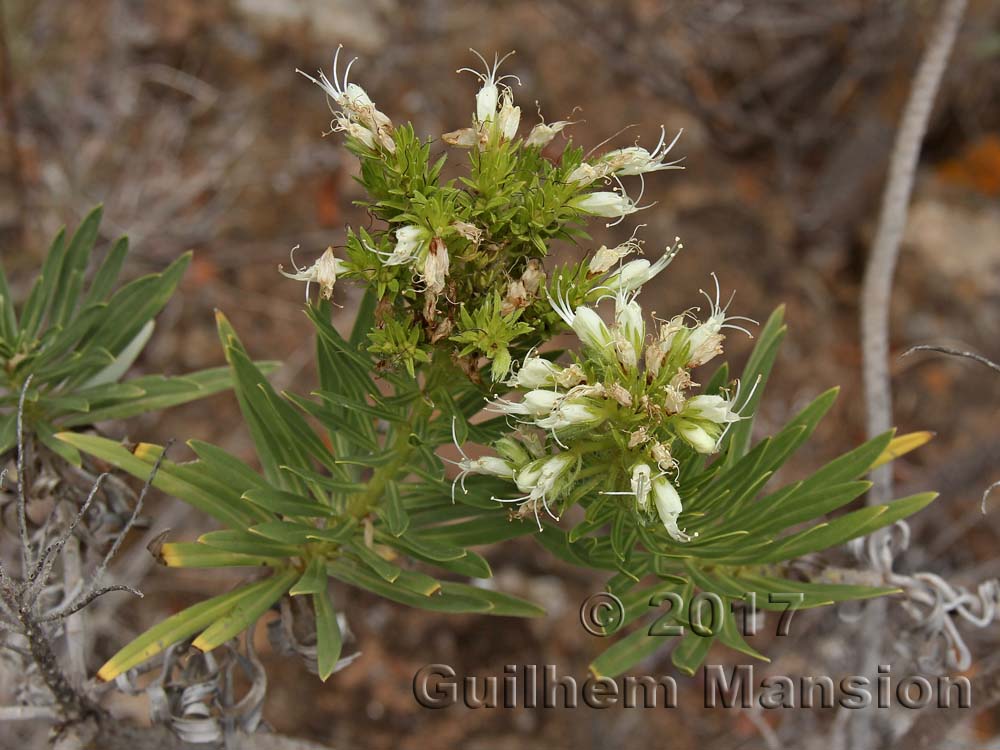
[247, 543]
[246, 611]
[198, 555]
[626, 653]
[313, 580]
[185, 482]
[176, 628]
[287, 503]
[755, 375]
[329, 641]
[900, 446]
[689, 654]
[391, 510]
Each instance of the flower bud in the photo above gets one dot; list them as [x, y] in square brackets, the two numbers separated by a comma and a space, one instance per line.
[635, 273]
[697, 436]
[585, 174]
[542, 134]
[512, 450]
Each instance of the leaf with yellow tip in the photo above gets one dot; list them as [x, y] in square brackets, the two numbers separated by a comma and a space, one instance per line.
[244, 614]
[313, 580]
[198, 555]
[176, 628]
[900, 446]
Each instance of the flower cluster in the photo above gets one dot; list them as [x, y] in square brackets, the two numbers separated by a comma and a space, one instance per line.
[613, 419]
[460, 265]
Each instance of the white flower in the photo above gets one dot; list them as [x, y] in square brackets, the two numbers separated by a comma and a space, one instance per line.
[572, 414]
[357, 106]
[324, 272]
[711, 407]
[608, 203]
[641, 484]
[632, 275]
[586, 323]
[509, 117]
[436, 265]
[464, 138]
[410, 240]
[628, 319]
[489, 465]
[535, 372]
[541, 479]
[536, 403]
[705, 339]
[489, 94]
[354, 129]
[636, 160]
[543, 133]
[606, 257]
[669, 507]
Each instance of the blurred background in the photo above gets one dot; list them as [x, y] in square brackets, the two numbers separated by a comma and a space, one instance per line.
[188, 121]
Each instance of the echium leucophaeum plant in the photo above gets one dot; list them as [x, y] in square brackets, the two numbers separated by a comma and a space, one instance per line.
[670, 496]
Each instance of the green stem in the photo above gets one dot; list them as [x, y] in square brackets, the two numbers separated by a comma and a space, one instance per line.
[360, 505]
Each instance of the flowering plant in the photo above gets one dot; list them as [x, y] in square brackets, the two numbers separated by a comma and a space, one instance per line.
[610, 454]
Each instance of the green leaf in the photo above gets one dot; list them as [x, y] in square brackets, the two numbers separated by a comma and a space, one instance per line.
[40, 296]
[329, 641]
[313, 580]
[8, 317]
[185, 482]
[501, 604]
[689, 654]
[246, 611]
[67, 288]
[198, 555]
[391, 510]
[624, 654]
[757, 367]
[287, 503]
[376, 562]
[177, 628]
[107, 274]
[247, 543]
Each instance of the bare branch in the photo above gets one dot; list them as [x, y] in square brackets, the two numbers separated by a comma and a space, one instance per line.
[22, 503]
[953, 352]
[80, 603]
[877, 292]
[877, 289]
[43, 568]
[120, 538]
